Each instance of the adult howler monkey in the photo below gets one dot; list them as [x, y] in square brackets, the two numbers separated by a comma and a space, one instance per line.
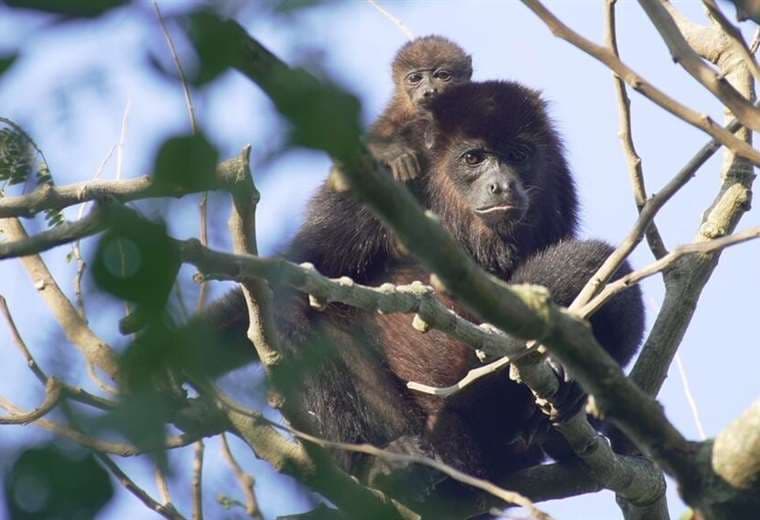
[500, 184]
[422, 69]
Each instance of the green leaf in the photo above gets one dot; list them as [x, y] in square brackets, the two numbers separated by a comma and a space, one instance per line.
[291, 6]
[47, 482]
[16, 156]
[6, 62]
[214, 43]
[136, 261]
[186, 161]
[71, 8]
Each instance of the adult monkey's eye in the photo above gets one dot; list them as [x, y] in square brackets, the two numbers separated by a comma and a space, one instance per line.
[414, 78]
[518, 153]
[473, 157]
[443, 75]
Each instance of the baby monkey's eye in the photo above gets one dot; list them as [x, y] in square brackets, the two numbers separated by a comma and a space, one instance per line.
[474, 157]
[414, 78]
[443, 75]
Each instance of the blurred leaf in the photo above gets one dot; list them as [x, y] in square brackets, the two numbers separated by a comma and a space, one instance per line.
[188, 161]
[141, 418]
[19, 158]
[72, 8]
[46, 482]
[154, 397]
[136, 261]
[323, 115]
[291, 6]
[16, 156]
[215, 44]
[6, 62]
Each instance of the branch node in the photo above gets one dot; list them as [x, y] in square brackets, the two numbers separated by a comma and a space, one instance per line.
[420, 324]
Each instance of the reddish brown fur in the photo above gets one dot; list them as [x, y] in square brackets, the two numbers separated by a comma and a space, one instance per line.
[356, 364]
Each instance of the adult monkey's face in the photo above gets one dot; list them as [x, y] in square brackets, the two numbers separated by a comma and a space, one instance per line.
[497, 158]
[490, 181]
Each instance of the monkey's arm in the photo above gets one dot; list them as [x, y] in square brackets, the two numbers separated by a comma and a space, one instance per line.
[564, 269]
[401, 158]
[341, 237]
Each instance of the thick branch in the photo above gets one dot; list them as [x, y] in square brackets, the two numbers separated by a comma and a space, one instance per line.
[685, 282]
[64, 233]
[58, 197]
[735, 37]
[312, 463]
[95, 350]
[683, 54]
[736, 451]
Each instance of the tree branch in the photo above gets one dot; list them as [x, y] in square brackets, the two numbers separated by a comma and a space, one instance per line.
[48, 197]
[683, 54]
[94, 349]
[636, 82]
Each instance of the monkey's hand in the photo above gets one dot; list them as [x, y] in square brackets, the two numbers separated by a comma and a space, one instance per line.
[568, 400]
[405, 166]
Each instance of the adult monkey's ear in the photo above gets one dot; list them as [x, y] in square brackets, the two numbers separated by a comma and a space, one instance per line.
[468, 66]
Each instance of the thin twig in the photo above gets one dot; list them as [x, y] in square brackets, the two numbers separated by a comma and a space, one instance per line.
[21, 344]
[246, 480]
[122, 140]
[636, 173]
[638, 83]
[645, 218]
[705, 247]
[180, 70]
[167, 511]
[121, 449]
[394, 19]
[490, 488]
[690, 397]
[81, 264]
[52, 398]
[472, 376]
[163, 486]
[203, 205]
[198, 481]
[755, 42]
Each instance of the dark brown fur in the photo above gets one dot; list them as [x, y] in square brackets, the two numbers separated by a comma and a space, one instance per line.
[355, 364]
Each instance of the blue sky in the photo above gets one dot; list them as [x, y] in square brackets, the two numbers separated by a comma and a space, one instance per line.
[73, 82]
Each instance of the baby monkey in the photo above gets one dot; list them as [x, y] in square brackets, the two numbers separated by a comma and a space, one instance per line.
[422, 69]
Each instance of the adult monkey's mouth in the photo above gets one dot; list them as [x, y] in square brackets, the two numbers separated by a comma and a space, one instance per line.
[494, 209]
